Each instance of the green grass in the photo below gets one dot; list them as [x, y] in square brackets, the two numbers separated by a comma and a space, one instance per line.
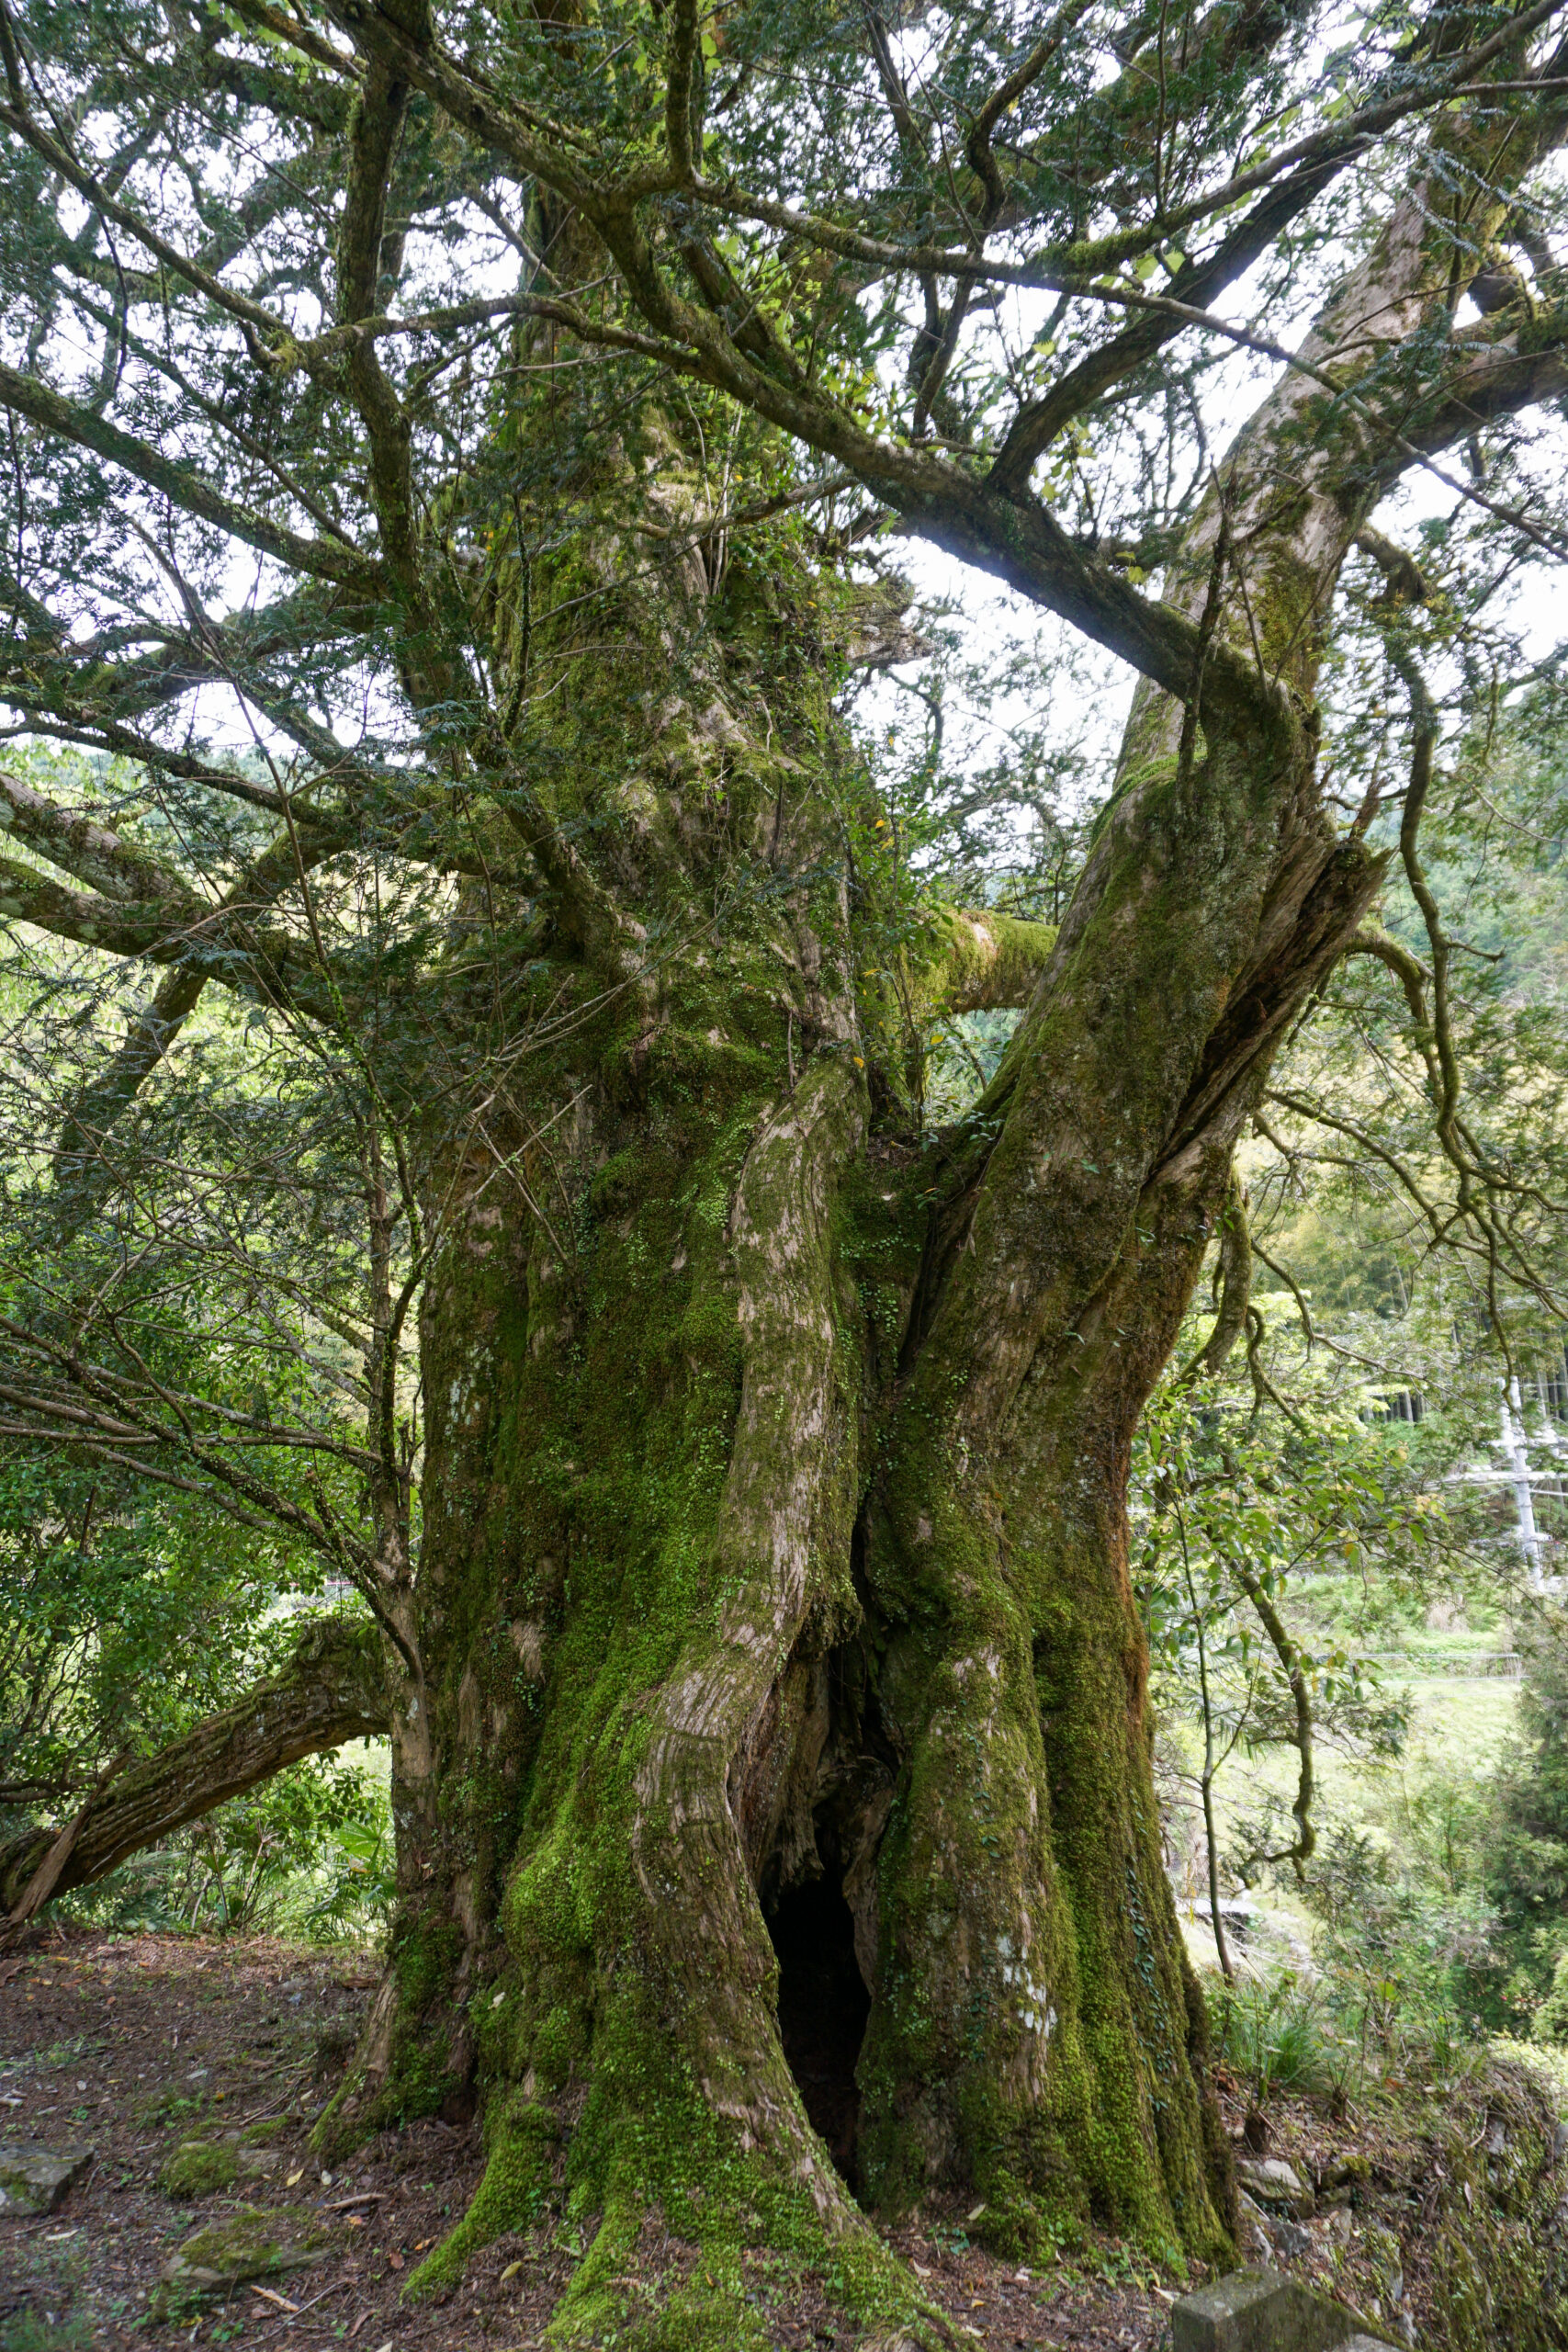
[1459, 1724]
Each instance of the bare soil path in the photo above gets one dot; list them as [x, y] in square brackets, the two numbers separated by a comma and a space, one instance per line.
[166, 2055]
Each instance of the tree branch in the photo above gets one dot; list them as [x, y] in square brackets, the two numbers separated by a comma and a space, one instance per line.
[321, 559]
[992, 961]
[331, 1692]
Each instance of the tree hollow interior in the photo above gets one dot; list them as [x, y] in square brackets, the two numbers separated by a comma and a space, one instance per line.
[823, 2009]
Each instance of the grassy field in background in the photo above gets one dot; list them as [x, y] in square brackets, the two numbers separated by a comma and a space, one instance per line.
[1459, 1727]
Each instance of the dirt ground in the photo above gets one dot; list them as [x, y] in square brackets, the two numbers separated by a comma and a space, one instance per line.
[156, 2047]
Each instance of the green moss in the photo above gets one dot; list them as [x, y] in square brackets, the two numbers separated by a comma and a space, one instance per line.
[198, 2168]
[697, 2319]
[423, 2061]
[600, 1580]
[249, 2243]
[590, 2018]
[425, 1952]
[514, 2191]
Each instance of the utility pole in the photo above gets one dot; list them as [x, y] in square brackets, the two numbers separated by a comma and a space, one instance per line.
[1515, 1453]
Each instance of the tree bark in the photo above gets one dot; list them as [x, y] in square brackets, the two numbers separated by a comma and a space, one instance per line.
[775, 1537]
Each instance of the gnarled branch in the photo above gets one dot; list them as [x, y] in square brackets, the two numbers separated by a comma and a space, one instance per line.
[330, 1693]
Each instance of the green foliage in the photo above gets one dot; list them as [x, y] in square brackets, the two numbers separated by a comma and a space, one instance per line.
[32, 2331]
[1240, 1515]
[125, 1615]
[1529, 1876]
[1523, 1864]
[361, 1868]
[310, 1847]
[1466, 2138]
[1275, 2032]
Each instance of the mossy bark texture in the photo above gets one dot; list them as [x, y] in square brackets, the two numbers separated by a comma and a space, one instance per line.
[775, 1514]
[774, 1500]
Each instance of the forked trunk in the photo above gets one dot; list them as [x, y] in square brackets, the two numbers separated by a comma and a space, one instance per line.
[786, 1760]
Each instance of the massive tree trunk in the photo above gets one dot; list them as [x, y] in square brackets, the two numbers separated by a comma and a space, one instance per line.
[780, 1693]
[775, 1580]
[771, 1768]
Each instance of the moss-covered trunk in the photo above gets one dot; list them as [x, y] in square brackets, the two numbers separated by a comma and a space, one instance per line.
[777, 1830]
[776, 1819]
[780, 1693]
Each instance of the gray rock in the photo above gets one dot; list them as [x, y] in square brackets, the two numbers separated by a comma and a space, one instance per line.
[1255, 2239]
[1275, 2183]
[33, 2180]
[1258, 2311]
[257, 2160]
[245, 2245]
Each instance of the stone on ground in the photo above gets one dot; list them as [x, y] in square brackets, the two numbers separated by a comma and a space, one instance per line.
[33, 2179]
[246, 2245]
[1260, 2310]
[1274, 2182]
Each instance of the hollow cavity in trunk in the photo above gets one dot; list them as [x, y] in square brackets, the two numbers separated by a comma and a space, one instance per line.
[823, 2009]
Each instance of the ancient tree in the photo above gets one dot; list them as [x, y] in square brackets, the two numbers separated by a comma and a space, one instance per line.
[453, 457]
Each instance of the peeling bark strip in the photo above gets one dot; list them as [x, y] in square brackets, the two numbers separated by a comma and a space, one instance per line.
[46, 1878]
[330, 1694]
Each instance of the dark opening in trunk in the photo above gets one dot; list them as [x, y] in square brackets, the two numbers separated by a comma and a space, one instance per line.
[823, 2008]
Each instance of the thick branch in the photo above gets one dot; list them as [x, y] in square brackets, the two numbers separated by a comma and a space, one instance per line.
[221, 943]
[1195, 285]
[72, 840]
[324, 558]
[330, 1692]
[990, 961]
[377, 128]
